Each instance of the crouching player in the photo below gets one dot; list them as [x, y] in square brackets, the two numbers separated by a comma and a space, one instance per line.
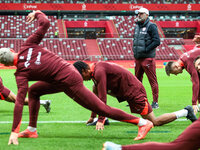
[112, 79]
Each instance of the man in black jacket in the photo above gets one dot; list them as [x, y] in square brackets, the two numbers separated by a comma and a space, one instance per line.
[146, 39]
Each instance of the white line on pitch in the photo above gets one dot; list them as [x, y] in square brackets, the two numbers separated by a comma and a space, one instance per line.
[7, 122]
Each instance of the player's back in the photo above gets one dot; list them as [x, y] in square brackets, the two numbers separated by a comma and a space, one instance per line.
[188, 59]
[120, 80]
[38, 63]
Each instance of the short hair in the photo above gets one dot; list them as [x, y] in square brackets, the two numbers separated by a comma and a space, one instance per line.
[79, 65]
[168, 67]
[196, 59]
[6, 55]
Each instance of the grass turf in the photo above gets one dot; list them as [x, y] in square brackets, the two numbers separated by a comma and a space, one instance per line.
[175, 92]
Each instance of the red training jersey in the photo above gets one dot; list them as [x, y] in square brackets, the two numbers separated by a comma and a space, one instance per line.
[4, 92]
[37, 63]
[115, 80]
[188, 62]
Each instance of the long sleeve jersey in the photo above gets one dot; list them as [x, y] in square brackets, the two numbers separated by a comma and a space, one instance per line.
[4, 92]
[188, 63]
[115, 80]
[37, 63]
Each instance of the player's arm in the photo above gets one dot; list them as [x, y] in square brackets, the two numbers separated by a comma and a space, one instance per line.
[102, 94]
[153, 31]
[93, 114]
[42, 29]
[12, 98]
[22, 84]
[195, 89]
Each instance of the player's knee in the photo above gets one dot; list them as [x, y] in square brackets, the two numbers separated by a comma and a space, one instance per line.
[32, 92]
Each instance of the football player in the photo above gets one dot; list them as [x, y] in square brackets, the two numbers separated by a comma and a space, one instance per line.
[112, 79]
[186, 62]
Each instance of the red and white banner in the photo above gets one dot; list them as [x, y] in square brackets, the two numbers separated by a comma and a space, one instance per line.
[99, 7]
[180, 24]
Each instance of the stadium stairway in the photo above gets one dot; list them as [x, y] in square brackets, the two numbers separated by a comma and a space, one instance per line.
[93, 49]
[161, 33]
[61, 28]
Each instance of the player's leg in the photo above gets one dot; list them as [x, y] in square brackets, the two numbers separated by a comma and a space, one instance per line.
[188, 140]
[139, 71]
[149, 66]
[163, 119]
[140, 105]
[169, 117]
[87, 99]
[147, 113]
[35, 91]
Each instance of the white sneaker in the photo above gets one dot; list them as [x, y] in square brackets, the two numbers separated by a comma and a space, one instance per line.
[47, 106]
[111, 146]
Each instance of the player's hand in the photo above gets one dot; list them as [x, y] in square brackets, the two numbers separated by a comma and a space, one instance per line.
[99, 126]
[30, 17]
[195, 108]
[13, 138]
[90, 120]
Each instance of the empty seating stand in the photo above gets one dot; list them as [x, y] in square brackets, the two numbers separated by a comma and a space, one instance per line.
[12, 43]
[121, 49]
[17, 27]
[163, 51]
[68, 49]
[125, 25]
[116, 49]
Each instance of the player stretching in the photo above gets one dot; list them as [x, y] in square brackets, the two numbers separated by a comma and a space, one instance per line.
[112, 79]
[186, 62]
[54, 75]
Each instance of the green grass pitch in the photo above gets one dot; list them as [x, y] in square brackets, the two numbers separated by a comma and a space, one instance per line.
[175, 92]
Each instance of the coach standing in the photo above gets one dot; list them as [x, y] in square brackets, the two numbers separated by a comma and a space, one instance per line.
[146, 39]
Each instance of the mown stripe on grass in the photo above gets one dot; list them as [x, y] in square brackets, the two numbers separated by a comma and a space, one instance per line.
[7, 122]
[4, 133]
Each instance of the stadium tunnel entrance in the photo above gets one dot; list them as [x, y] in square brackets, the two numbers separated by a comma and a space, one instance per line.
[90, 29]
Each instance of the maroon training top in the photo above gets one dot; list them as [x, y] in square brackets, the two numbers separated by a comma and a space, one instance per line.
[4, 92]
[188, 62]
[115, 80]
[37, 63]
